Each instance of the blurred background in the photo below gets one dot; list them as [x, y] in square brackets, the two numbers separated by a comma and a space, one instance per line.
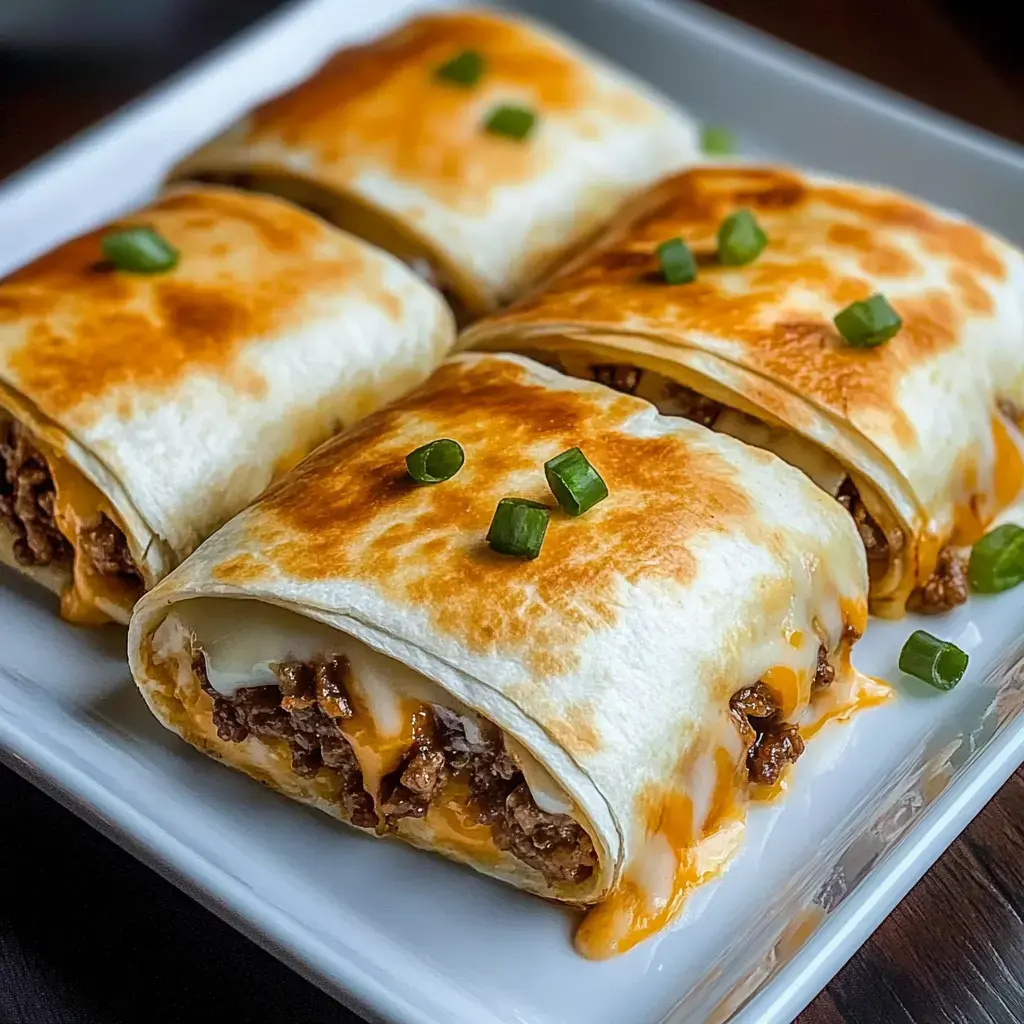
[66, 63]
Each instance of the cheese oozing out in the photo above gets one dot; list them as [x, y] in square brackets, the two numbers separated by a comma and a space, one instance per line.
[243, 641]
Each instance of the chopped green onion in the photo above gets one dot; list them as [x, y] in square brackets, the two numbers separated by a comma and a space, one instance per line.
[933, 661]
[464, 69]
[512, 122]
[574, 482]
[997, 560]
[716, 140]
[868, 323]
[139, 250]
[677, 263]
[740, 239]
[435, 462]
[518, 527]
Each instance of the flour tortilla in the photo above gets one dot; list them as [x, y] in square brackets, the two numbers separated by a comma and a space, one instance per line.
[169, 401]
[379, 144]
[610, 659]
[915, 422]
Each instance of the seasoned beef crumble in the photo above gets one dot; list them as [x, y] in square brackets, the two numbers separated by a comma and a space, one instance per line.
[106, 548]
[27, 500]
[27, 503]
[946, 588]
[306, 710]
[876, 545]
[619, 378]
[772, 743]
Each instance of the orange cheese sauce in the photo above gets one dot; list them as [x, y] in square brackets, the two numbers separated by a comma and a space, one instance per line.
[453, 828]
[379, 754]
[1007, 483]
[789, 687]
[836, 706]
[79, 502]
[630, 914]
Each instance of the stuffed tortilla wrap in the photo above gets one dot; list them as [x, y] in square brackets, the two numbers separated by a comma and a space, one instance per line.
[141, 410]
[916, 436]
[476, 147]
[587, 725]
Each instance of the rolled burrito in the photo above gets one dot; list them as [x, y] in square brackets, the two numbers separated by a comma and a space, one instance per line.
[916, 437]
[587, 725]
[140, 411]
[476, 147]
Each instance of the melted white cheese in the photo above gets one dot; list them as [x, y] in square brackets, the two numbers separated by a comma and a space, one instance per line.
[825, 470]
[243, 640]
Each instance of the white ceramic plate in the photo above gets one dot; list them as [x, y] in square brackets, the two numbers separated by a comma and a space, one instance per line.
[408, 936]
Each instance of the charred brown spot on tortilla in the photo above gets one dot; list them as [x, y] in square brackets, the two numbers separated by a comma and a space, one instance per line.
[87, 334]
[946, 588]
[350, 510]
[772, 743]
[27, 500]
[28, 506]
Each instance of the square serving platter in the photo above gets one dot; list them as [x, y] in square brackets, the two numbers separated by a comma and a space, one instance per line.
[871, 804]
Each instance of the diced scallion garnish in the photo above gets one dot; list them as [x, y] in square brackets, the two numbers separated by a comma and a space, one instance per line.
[518, 527]
[139, 250]
[868, 323]
[574, 482]
[511, 122]
[676, 261]
[464, 69]
[933, 661]
[997, 560]
[717, 140]
[435, 462]
[740, 239]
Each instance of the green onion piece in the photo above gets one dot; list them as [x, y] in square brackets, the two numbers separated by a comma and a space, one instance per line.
[740, 239]
[868, 323]
[435, 462]
[933, 661]
[717, 140]
[512, 122]
[997, 560]
[139, 250]
[518, 527]
[464, 69]
[677, 263]
[574, 482]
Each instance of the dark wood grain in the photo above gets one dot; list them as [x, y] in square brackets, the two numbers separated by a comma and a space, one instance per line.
[88, 936]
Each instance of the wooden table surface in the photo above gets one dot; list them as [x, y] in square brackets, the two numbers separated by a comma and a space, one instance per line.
[88, 936]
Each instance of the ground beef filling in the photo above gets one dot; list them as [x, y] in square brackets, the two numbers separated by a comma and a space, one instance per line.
[106, 548]
[554, 844]
[946, 587]
[772, 743]
[27, 500]
[305, 711]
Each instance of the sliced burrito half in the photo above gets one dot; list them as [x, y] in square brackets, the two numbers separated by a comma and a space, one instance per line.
[476, 147]
[916, 436]
[587, 725]
[141, 410]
